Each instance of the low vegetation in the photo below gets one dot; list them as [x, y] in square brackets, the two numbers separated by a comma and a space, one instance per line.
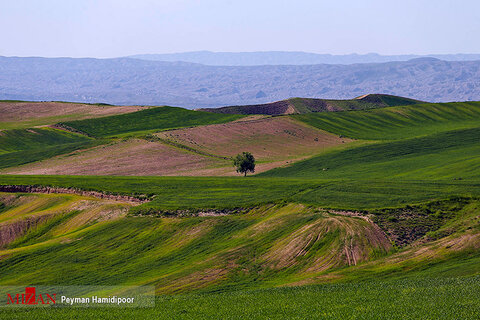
[449, 298]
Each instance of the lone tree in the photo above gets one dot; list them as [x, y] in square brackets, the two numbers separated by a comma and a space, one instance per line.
[244, 162]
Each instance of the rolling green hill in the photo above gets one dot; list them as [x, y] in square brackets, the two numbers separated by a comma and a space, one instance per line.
[232, 262]
[21, 146]
[147, 120]
[27, 139]
[397, 122]
[446, 155]
[265, 246]
[424, 142]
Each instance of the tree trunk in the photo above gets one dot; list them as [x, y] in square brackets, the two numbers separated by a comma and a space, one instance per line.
[245, 174]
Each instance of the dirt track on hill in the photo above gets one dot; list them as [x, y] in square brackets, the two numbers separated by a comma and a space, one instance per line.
[49, 190]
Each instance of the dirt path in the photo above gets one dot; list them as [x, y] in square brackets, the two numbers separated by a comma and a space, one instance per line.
[47, 190]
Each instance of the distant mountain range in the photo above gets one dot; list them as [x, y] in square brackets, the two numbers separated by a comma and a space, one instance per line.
[129, 81]
[290, 58]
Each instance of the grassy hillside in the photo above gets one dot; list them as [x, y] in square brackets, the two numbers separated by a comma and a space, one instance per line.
[422, 142]
[309, 105]
[21, 139]
[445, 155]
[191, 246]
[398, 122]
[129, 157]
[21, 146]
[152, 119]
[387, 100]
[266, 246]
[270, 139]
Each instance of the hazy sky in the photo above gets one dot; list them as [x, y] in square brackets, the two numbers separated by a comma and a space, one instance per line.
[112, 28]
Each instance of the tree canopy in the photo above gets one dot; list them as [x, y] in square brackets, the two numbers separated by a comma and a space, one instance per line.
[244, 162]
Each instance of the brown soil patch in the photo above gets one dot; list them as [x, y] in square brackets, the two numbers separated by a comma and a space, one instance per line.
[273, 108]
[270, 139]
[274, 142]
[49, 190]
[28, 111]
[132, 157]
[10, 231]
[282, 107]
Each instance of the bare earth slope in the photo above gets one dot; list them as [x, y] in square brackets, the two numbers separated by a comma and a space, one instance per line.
[268, 139]
[196, 151]
[29, 114]
[132, 157]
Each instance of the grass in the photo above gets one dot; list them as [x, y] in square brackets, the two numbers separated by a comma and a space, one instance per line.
[178, 192]
[155, 119]
[188, 247]
[266, 246]
[36, 114]
[445, 155]
[373, 101]
[430, 298]
[181, 255]
[196, 193]
[22, 139]
[397, 122]
[21, 146]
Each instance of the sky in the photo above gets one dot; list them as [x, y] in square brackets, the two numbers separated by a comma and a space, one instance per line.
[114, 28]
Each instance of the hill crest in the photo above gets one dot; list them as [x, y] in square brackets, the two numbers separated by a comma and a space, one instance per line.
[309, 105]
